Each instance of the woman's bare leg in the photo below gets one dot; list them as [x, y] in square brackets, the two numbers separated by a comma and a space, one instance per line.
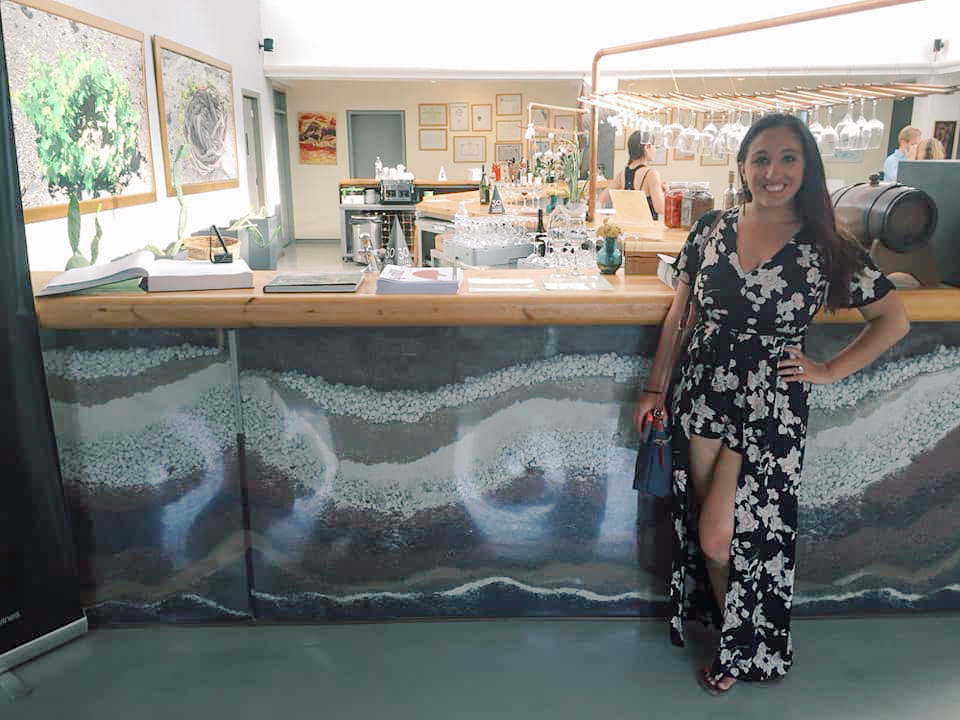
[715, 470]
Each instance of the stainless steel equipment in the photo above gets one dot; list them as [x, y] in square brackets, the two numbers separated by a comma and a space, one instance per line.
[428, 229]
[366, 231]
[495, 256]
[396, 191]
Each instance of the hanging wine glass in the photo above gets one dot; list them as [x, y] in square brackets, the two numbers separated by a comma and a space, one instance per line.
[656, 128]
[827, 142]
[815, 127]
[671, 133]
[689, 136]
[646, 128]
[720, 144]
[875, 128]
[707, 136]
[863, 129]
[848, 134]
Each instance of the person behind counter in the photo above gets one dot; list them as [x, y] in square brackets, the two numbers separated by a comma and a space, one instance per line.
[908, 139]
[930, 149]
[759, 273]
[641, 155]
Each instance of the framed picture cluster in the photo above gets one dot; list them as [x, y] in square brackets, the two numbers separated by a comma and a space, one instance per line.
[503, 117]
[432, 118]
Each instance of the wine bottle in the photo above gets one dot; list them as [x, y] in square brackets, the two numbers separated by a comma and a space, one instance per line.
[730, 194]
[484, 186]
[377, 168]
[540, 237]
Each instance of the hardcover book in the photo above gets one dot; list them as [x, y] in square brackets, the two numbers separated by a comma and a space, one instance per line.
[306, 282]
[158, 275]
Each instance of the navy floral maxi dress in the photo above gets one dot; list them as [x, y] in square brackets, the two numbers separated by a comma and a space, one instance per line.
[729, 388]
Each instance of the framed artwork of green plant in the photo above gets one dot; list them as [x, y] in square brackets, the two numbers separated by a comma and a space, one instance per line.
[195, 97]
[80, 121]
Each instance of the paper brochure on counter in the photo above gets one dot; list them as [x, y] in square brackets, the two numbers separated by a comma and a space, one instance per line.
[397, 280]
[158, 275]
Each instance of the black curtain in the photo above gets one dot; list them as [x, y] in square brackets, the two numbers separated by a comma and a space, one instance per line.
[39, 592]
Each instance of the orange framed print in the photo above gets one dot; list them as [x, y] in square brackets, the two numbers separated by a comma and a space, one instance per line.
[317, 133]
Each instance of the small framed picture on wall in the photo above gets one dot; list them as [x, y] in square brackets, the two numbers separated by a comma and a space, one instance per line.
[469, 148]
[433, 139]
[507, 152]
[509, 104]
[481, 117]
[509, 131]
[434, 114]
[459, 116]
[944, 131]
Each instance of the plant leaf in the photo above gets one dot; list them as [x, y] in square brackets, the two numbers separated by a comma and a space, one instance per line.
[76, 261]
[73, 223]
[95, 242]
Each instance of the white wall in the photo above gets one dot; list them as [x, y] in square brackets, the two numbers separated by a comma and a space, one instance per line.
[316, 187]
[228, 30]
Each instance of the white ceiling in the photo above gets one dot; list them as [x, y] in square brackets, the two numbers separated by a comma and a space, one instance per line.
[523, 38]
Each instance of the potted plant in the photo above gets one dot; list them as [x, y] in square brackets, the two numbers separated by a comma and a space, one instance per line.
[609, 251]
[259, 238]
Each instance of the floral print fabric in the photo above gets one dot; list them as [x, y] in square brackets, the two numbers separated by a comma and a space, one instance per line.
[729, 388]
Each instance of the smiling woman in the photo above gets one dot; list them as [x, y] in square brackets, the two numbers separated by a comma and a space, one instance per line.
[759, 273]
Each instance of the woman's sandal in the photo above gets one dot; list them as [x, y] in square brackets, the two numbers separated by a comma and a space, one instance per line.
[711, 689]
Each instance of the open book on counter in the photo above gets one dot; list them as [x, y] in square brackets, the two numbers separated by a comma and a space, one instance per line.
[159, 275]
[397, 279]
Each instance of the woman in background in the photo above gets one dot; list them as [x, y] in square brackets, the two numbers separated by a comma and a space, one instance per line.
[638, 175]
[930, 149]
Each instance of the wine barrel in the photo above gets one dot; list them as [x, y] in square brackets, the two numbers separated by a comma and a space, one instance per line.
[899, 216]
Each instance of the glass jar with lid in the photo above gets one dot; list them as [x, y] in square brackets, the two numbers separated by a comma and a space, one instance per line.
[697, 200]
[672, 201]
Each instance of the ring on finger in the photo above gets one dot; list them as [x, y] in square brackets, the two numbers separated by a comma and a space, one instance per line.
[799, 369]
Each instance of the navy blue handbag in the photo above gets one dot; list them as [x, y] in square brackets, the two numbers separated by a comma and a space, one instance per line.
[653, 474]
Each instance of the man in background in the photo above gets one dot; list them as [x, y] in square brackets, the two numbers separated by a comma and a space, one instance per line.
[908, 138]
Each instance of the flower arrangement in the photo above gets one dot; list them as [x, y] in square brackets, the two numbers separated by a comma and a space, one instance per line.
[563, 162]
[608, 230]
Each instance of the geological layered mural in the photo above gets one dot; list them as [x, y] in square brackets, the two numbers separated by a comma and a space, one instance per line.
[145, 428]
[407, 472]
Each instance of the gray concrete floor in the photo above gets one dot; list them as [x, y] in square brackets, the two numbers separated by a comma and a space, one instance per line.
[882, 668]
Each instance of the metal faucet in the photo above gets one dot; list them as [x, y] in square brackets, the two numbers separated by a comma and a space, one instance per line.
[369, 253]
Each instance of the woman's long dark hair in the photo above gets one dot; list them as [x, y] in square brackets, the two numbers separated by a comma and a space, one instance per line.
[636, 147]
[813, 206]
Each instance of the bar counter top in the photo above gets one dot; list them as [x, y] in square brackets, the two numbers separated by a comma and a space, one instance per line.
[633, 299]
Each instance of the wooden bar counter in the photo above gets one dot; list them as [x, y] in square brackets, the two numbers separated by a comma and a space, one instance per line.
[633, 299]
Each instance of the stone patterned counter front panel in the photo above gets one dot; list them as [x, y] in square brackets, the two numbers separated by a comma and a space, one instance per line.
[403, 472]
[145, 428]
